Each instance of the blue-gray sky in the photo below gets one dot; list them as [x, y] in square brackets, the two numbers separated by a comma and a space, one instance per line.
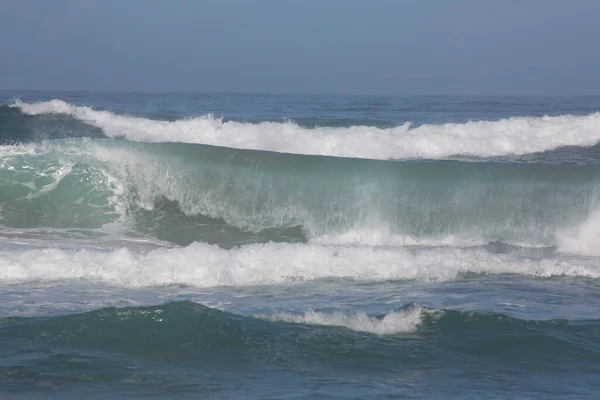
[303, 46]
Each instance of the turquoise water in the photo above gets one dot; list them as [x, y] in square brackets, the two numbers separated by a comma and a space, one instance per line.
[259, 246]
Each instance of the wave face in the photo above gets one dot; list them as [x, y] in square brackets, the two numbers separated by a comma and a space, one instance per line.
[512, 136]
[182, 193]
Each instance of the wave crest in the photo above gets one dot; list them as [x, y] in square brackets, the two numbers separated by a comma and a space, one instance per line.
[404, 321]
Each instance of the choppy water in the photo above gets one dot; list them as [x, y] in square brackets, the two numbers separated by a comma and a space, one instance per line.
[255, 246]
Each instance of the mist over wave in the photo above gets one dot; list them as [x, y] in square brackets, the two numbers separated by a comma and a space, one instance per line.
[512, 136]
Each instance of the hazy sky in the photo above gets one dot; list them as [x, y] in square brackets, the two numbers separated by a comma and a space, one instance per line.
[314, 46]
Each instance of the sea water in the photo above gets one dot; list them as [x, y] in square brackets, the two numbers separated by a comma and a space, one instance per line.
[298, 247]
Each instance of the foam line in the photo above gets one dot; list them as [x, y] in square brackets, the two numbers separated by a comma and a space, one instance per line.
[203, 265]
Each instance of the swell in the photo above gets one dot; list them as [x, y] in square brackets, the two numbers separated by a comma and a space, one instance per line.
[506, 137]
[183, 193]
[189, 331]
[184, 349]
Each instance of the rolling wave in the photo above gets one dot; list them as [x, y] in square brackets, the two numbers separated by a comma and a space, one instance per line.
[180, 193]
[512, 136]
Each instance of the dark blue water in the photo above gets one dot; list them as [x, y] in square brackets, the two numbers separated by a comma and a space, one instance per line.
[299, 247]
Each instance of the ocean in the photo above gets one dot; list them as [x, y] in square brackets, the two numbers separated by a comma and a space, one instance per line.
[236, 246]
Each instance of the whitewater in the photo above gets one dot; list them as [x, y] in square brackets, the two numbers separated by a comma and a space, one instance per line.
[235, 245]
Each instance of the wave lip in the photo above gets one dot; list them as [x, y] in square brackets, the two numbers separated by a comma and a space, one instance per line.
[512, 136]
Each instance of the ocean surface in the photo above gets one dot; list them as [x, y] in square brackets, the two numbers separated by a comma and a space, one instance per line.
[225, 246]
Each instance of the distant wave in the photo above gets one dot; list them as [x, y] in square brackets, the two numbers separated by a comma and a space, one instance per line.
[512, 136]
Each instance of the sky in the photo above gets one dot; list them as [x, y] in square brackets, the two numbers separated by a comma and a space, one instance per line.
[403, 47]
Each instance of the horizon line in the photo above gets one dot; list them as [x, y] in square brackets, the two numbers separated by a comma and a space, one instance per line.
[289, 93]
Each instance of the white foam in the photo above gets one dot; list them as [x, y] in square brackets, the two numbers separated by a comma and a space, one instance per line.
[383, 236]
[203, 265]
[583, 239]
[57, 176]
[404, 321]
[53, 163]
[512, 136]
[15, 150]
